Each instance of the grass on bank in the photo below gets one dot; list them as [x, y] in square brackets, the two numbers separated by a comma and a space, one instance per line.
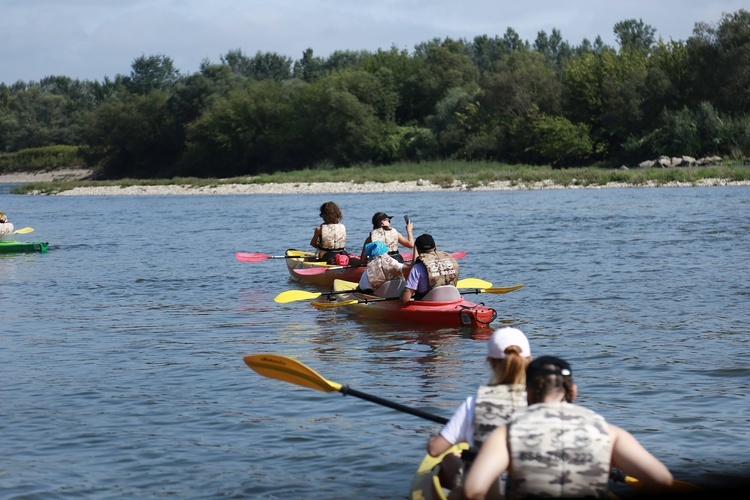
[442, 173]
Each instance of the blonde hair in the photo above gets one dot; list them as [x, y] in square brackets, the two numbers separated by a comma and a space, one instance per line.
[3, 218]
[511, 369]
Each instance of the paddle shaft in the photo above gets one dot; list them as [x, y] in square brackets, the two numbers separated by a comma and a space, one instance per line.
[346, 390]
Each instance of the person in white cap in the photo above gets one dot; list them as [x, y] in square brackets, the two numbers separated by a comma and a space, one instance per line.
[508, 353]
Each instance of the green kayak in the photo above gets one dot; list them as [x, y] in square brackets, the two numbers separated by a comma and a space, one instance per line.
[23, 246]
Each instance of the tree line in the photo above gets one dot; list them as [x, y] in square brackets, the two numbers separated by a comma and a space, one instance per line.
[492, 99]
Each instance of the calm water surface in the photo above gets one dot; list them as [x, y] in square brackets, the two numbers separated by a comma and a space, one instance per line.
[121, 348]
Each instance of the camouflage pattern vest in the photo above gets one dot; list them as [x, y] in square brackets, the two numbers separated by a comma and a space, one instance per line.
[332, 237]
[383, 268]
[558, 450]
[494, 406]
[389, 237]
[442, 268]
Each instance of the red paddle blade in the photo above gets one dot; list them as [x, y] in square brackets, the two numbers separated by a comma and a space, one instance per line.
[251, 257]
[455, 255]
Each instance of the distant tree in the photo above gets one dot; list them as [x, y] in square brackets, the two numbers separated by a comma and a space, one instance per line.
[720, 63]
[634, 35]
[262, 66]
[155, 72]
[309, 68]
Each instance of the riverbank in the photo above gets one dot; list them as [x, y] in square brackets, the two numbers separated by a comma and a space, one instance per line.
[322, 187]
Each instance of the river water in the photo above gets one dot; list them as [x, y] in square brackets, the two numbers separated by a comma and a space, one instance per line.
[121, 348]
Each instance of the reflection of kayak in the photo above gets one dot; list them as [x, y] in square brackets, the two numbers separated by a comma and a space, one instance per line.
[425, 485]
[303, 267]
[22, 246]
[444, 306]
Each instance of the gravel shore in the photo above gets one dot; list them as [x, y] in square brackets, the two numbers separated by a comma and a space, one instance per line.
[310, 188]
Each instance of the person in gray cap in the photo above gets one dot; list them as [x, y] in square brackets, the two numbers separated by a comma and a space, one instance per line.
[557, 449]
[383, 231]
[432, 268]
[508, 354]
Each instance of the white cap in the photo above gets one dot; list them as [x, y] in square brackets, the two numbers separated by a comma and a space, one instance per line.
[504, 338]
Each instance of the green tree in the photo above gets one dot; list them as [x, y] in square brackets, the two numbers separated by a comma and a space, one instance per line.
[133, 136]
[154, 72]
[634, 35]
[262, 66]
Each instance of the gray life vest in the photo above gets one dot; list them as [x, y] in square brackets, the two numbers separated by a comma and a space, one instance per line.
[558, 450]
[389, 237]
[381, 269]
[332, 237]
[442, 268]
[494, 406]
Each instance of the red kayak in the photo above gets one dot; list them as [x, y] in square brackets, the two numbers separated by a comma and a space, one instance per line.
[302, 267]
[444, 306]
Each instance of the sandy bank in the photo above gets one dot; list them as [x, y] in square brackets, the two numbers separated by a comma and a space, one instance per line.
[313, 187]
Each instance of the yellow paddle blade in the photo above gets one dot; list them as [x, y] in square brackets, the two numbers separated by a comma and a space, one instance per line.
[473, 283]
[289, 370]
[342, 285]
[677, 486]
[298, 253]
[331, 304]
[24, 230]
[502, 289]
[292, 295]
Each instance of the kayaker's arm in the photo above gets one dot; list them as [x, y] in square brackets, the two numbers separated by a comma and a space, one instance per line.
[315, 241]
[406, 295]
[632, 458]
[437, 445]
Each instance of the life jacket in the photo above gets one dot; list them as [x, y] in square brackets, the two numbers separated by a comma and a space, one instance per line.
[389, 237]
[6, 228]
[558, 450]
[332, 237]
[381, 269]
[494, 406]
[442, 268]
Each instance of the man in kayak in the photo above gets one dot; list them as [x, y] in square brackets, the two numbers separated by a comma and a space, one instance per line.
[5, 226]
[432, 268]
[382, 231]
[508, 354]
[558, 449]
[380, 268]
[329, 237]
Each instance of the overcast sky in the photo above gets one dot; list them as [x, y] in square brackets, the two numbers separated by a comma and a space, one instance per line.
[93, 39]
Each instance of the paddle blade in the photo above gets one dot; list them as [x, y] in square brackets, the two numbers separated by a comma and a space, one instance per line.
[312, 271]
[332, 305]
[24, 230]
[251, 257]
[294, 295]
[677, 486]
[343, 285]
[289, 370]
[473, 283]
[455, 255]
[502, 289]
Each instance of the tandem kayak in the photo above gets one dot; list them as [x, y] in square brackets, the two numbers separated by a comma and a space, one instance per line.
[22, 246]
[444, 305]
[303, 267]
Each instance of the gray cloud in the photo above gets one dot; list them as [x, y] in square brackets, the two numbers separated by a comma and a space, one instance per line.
[93, 39]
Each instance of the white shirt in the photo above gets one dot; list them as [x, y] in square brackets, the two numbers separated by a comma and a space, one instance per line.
[461, 425]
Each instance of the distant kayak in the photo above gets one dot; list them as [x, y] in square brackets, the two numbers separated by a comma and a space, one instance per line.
[23, 246]
[304, 268]
[444, 306]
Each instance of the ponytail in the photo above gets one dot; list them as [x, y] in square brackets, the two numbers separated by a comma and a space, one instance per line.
[511, 369]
